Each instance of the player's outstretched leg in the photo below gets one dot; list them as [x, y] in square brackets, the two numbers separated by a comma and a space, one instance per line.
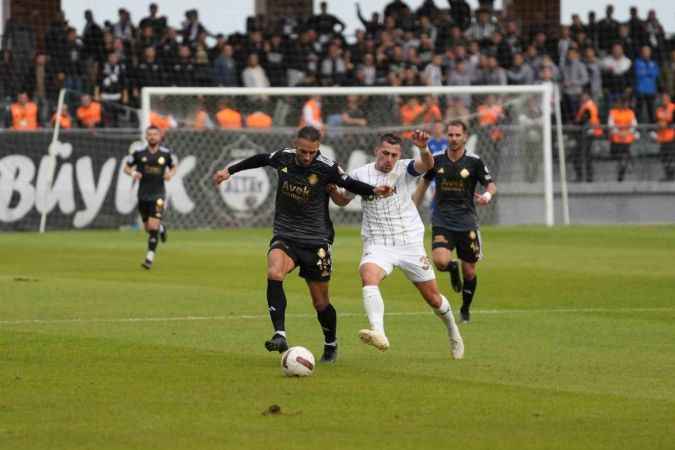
[442, 309]
[455, 280]
[276, 304]
[442, 255]
[163, 233]
[327, 316]
[152, 247]
[374, 306]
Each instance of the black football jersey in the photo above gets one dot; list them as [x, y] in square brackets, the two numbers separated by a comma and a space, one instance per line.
[151, 166]
[456, 181]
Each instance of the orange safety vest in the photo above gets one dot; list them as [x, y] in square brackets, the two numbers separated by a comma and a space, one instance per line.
[229, 118]
[65, 120]
[201, 118]
[258, 120]
[89, 115]
[433, 114]
[409, 116]
[623, 121]
[664, 117]
[24, 117]
[594, 120]
[488, 116]
[159, 121]
[315, 109]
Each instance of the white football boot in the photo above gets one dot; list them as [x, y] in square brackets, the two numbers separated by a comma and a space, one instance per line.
[374, 338]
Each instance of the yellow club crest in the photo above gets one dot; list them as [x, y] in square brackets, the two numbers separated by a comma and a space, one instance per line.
[161, 160]
[440, 171]
[160, 202]
[144, 159]
[284, 169]
[464, 173]
[313, 179]
[321, 253]
[472, 235]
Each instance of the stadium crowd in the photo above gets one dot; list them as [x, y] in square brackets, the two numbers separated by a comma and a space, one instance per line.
[599, 65]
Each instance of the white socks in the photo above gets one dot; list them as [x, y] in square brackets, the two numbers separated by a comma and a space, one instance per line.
[444, 312]
[150, 256]
[374, 306]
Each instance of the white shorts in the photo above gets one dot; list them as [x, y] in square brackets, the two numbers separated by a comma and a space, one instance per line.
[413, 261]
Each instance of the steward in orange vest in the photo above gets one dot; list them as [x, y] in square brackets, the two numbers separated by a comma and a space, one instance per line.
[24, 113]
[258, 119]
[622, 134]
[665, 135]
[311, 114]
[89, 112]
[589, 119]
[65, 120]
[228, 117]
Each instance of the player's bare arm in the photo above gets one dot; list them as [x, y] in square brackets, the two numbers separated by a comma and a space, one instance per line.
[132, 172]
[169, 173]
[485, 198]
[220, 176]
[426, 160]
[418, 195]
[338, 195]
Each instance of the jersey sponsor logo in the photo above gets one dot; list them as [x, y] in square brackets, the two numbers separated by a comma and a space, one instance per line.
[440, 171]
[313, 179]
[296, 191]
[464, 173]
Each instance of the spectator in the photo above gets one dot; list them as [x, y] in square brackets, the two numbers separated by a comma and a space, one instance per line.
[258, 119]
[65, 120]
[325, 23]
[592, 29]
[574, 78]
[588, 118]
[630, 45]
[202, 120]
[433, 73]
[530, 139]
[123, 29]
[427, 28]
[594, 74]
[55, 38]
[460, 76]
[456, 38]
[225, 68]
[369, 70]
[148, 72]
[254, 75]
[203, 71]
[351, 116]
[622, 133]
[460, 11]
[112, 88]
[19, 37]
[665, 136]
[70, 67]
[577, 26]
[432, 111]
[490, 116]
[411, 113]
[501, 50]
[41, 84]
[24, 113]
[608, 30]
[89, 112]
[311, 113]
[616, 68]
[491, 74]
[481, 30]
[638, 33]
[146, 38]
[10, 81]
[192, 27]
[227, 116]
[276, 61]
[154, 20]
[93, 50]
[183, 73]
[372, 26]
[438, 142]
[520, 73]
[167, 50]
[668, 75]
[163, 122]
[564, 44]
[333, 67]
[513, 38]
[655, 35]
[646, 78]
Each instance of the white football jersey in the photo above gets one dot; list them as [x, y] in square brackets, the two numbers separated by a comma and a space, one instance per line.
[392, 221]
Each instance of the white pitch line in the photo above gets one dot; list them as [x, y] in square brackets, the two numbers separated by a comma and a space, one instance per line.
[263, 316]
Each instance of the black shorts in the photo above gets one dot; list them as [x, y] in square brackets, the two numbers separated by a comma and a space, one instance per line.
[467, 243]
[315, 262]
[152, 208]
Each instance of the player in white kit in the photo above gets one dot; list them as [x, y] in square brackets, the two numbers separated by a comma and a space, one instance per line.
[393, 236]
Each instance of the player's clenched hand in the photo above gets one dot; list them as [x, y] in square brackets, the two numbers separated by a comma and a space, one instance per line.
[482, 199]
[331, 188]
[383, 191]
[136, 175]
[220, 176]
[420, 138]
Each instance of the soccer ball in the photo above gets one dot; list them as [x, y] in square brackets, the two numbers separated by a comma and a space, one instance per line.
[297, 362]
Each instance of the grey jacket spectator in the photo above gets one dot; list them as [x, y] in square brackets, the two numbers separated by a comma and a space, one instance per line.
[482, 28]
[574, 74]
[594, 74]
[20, 39]
[460, 76]
[520, 72]
[225, 68]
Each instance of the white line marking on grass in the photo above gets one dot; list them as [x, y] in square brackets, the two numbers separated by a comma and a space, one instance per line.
[348, 314]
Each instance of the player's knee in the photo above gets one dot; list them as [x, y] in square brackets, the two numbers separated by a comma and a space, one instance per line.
[441, 262]
[468, 271]
[320, 303]
[275, 274]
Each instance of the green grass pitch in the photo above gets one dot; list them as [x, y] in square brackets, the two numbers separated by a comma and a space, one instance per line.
[572, 346]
